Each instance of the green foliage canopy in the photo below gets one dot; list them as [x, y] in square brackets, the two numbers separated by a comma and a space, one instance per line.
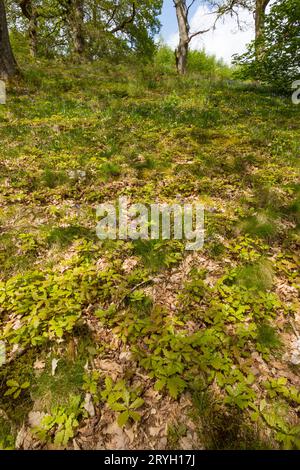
[275, 57]
[109, 27]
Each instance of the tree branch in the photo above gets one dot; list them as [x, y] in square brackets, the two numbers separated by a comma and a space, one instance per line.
[192, 36]
[126, 21]
[190, 6]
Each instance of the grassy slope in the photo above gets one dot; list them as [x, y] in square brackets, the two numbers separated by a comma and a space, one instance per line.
[226, 322]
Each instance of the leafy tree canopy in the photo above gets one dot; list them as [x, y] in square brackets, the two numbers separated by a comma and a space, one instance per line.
[275, 57]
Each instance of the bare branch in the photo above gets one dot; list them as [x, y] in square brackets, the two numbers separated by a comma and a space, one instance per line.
[190, 6]
[192, 36]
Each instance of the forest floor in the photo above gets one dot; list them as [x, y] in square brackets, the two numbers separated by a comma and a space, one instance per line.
[141, 344]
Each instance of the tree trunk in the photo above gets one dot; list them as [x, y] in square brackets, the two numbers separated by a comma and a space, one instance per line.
[33, 35]
[260, 13]
[30, 13]
[8, 64]
[184, 29]
[76, 19]
[181, 57]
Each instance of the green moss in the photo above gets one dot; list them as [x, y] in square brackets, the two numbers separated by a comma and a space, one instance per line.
[223, 429]
[258, 276]
[175, 433]
[7, 439]
[20, 371]
[50, 390]
[264, 224]
[268, 337]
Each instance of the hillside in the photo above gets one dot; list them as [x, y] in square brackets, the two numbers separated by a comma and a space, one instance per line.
[142, 344]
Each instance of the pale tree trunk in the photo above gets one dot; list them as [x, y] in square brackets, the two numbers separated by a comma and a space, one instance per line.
[184, 29]
[8, 64]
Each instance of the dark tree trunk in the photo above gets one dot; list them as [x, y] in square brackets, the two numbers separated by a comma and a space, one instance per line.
[260, 13]
[33, 36]
[8, 64]
[31, 14]
[76, 19]
[184, 29]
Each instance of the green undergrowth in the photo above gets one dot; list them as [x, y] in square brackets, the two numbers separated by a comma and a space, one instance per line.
[73, 137]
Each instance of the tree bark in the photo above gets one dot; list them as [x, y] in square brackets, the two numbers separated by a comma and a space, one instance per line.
[8, 64]
[184, 29]
[33, 36]
[76, 18]
[260, 13]
[31, 14]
